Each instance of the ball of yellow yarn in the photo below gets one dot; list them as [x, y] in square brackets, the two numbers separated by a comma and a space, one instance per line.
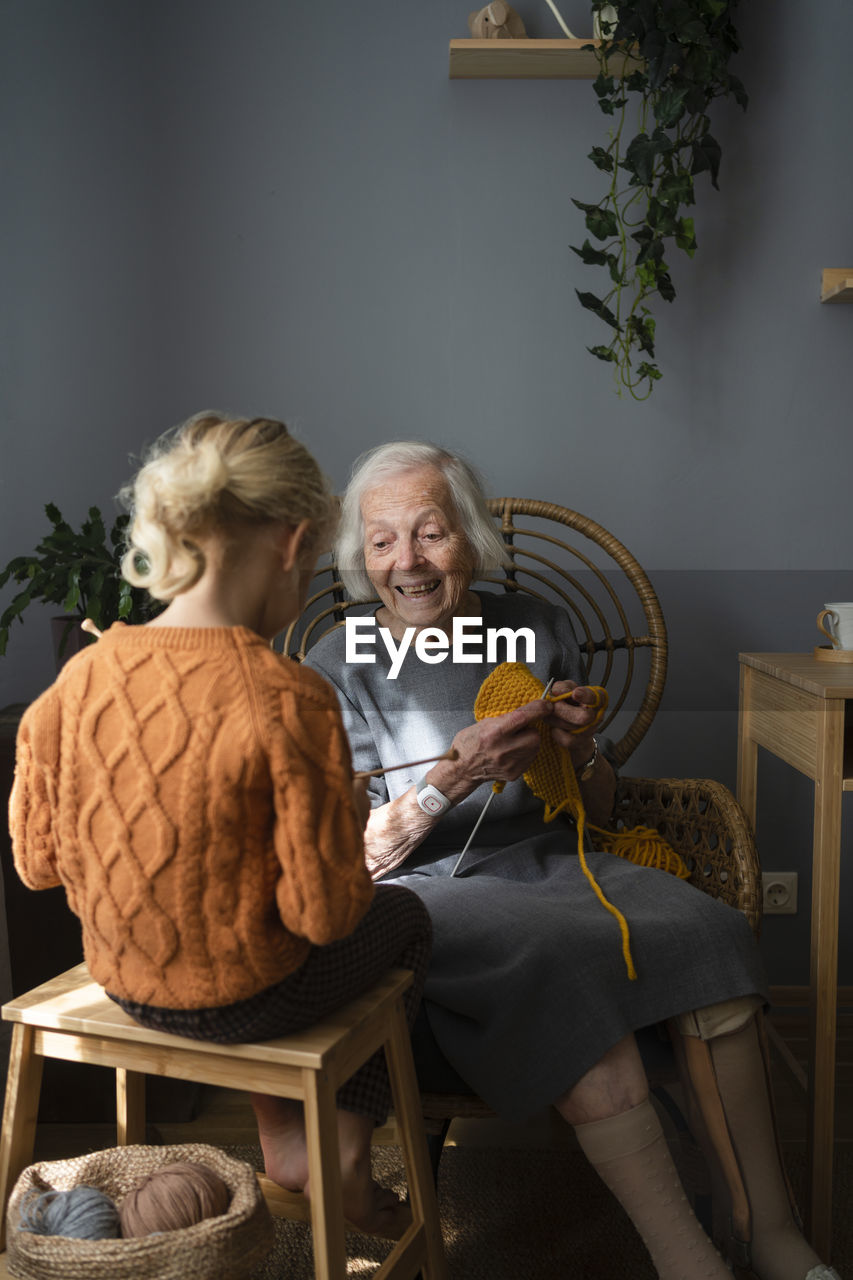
[176, 1196]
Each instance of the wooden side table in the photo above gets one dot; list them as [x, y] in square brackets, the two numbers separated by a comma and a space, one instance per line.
[796, 706]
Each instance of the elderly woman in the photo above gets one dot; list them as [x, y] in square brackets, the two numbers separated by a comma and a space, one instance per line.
[527, 994]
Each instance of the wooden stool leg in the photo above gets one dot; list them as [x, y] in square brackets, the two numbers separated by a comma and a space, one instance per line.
[410, 1124]
[130, 1107]
[324, 1171]
[23, 1086]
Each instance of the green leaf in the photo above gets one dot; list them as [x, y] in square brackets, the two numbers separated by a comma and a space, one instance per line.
[660, 54]
[592, 303]
[685, 237]
[716, 7]
[118, 533]
[590, 255]
[650, 371]
[642, 154]
[601, 159]
[676, 188]
[651, 248]
[72, 600]
[707, 155]
[669, 105]
[666, 288]
[636, 81]
[614, 266]
[125, 599]
[693, 32]
[16, 608]
[661, 218]
[641, 330]
[602, 224]
[589, 301]
[603, 353]
[96, 521]
[738, 92]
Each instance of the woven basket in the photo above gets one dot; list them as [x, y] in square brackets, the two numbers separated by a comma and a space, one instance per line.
[231, 1245]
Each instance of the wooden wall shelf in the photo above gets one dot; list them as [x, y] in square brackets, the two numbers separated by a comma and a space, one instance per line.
[837, 284]
[524, 60]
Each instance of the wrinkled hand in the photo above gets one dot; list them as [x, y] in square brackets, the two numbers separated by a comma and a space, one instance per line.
[361, 799]
[573, 713]
[501, 748]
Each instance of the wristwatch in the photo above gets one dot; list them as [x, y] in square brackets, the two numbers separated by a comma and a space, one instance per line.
[588, 769]
[430, 799]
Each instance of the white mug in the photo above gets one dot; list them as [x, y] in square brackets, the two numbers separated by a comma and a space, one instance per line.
[835, 621]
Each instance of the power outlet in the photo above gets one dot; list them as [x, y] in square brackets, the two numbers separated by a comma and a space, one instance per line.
[780, 892]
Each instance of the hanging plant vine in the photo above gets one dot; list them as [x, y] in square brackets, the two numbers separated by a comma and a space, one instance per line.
[670, 57]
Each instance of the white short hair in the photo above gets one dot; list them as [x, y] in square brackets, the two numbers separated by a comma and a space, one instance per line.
[388, 460]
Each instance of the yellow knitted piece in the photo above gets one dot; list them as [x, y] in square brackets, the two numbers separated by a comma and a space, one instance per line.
[552, 778]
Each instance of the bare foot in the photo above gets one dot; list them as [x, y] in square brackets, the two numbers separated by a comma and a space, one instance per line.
[372, 1209]
[281, 1132]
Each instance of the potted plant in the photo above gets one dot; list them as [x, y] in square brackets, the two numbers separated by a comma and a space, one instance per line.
[684, 47]
[81, 572]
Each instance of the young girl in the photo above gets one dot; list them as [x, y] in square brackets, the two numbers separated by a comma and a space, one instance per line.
[193, 791]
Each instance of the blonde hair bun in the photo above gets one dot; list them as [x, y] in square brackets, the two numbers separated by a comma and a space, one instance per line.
[216, 474]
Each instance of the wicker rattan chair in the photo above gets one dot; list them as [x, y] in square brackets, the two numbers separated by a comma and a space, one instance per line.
[568, 559]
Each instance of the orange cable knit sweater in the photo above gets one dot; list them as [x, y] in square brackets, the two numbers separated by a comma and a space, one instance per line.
[192, 791]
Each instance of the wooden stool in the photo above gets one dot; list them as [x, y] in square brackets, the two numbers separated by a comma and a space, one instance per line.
[70, 1017]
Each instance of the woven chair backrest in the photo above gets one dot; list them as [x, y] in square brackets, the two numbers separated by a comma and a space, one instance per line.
[563, 557]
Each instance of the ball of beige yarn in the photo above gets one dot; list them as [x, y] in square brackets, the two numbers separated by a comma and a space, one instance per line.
[178, 1195]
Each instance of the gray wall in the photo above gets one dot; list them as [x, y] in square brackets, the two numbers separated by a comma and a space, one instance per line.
[289, 208]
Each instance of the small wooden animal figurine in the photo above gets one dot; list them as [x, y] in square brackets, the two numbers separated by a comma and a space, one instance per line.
[496, 21]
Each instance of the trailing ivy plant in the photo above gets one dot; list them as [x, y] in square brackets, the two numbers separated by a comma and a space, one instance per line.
[670, 59]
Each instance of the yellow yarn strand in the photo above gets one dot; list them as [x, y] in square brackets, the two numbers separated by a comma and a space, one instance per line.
[552, 779]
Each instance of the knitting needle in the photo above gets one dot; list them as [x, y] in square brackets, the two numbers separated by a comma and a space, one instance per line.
[88, 625]
[452, 754]
[545, 693]
[474, 832]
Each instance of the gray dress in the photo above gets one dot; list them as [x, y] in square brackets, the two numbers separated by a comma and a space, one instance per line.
[527, 987]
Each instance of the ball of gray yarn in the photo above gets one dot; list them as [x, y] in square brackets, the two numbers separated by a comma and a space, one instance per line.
[84, 1213]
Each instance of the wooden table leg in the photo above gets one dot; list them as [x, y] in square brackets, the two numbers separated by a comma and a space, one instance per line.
[824, 973]
[747, 751]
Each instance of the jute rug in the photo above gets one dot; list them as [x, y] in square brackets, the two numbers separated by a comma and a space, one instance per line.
[525, 1215]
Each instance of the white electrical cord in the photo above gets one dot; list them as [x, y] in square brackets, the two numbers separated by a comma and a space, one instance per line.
[559, 17]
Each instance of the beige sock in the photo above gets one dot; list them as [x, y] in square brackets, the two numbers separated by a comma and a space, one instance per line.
[630, 1154]
[779, 1251]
